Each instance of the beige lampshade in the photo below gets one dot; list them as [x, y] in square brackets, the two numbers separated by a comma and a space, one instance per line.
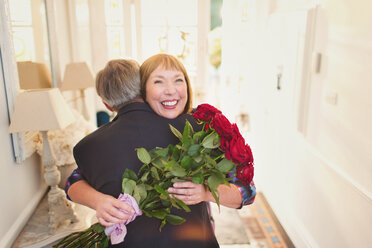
[33, 75]
[40, 110]
[77, 76]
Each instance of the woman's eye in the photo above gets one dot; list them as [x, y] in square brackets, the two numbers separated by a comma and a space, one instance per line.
[180, 80]
[157, 82]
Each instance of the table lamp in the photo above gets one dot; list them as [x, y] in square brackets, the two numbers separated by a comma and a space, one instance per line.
[78, 76]
[43, 110]
[33, 75]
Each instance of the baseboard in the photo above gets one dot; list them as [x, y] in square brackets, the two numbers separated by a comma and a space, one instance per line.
[22, 219]
[300, 235]
[295, 229]
[330, 165]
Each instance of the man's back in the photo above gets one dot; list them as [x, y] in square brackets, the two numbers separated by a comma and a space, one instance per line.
[103, 156]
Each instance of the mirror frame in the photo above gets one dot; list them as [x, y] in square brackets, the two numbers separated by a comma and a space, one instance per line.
[22, 143]
[10, 74]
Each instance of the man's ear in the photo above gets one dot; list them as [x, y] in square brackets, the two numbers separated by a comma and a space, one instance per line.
[108, 107]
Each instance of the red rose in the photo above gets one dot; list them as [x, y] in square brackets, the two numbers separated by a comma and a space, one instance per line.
[235, 131]
[244, 174]
[237, 150]
[222, 126]
[250, 159]
[205, 112]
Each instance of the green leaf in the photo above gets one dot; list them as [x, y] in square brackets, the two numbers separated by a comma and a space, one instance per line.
[186, 162]
[148, 187]
[178, 171]
[144, 176]
[182, 204]
[151, 205]
[198, 178]
[198, 136]
[225, 165]
[210, 160]
[170, 164]
[141, 191]
[160, 214]
[162, 224]
[143, 155]
[174, 203]
[147, 213]
[174, 219]
[162, 152]
[128, 186]
[159, 163]
[154, 173]
[176, 132]
[176, 153]
[211, 141]
[194, 150]
[185, 135]
[198, 159]
[166, 202]
[216, 197]
[214, 180]
[176, 179]
[98, 228]
[128, 173]
[136, 196]
[160, 190]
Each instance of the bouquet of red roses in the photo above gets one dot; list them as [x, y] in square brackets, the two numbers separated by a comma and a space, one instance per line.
[211, 157]
[231, 141]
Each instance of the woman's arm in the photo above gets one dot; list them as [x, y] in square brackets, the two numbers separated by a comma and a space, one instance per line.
[106, 206]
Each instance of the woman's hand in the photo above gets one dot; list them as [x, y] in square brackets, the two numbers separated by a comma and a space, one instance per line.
[108, 213]
[189, 192]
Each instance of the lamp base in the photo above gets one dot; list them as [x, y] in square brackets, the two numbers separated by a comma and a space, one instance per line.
[60, 209]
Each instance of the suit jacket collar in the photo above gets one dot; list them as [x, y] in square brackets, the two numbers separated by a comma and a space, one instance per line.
[134, 106]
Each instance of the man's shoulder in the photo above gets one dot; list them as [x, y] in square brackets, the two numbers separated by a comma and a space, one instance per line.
[181, 120]
[94, 138]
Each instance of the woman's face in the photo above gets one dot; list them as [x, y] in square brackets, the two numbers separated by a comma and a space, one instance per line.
[166, 92]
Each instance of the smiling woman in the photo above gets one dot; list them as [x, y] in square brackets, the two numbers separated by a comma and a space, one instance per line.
[166, 85]
[166, 92]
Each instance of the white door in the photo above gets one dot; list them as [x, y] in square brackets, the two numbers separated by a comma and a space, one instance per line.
[286, 56]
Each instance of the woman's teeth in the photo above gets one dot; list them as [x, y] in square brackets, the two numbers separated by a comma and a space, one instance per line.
[172, 103]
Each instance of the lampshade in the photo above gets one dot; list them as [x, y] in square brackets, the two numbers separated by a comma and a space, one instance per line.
[40, 110]
[33, 75]
[77, 76]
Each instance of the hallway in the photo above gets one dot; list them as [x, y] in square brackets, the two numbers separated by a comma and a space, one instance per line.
[253, 226]
[295, 75]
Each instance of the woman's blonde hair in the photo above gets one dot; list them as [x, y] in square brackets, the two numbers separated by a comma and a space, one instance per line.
[119, 82]
[165, 61]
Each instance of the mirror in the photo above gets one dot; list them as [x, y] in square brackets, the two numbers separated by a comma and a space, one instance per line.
[25, 48]
[31, 44]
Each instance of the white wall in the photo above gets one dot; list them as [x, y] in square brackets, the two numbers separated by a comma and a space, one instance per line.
[21, 185]
[319, 185]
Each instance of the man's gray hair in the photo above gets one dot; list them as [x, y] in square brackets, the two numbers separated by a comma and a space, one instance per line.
[119, 82]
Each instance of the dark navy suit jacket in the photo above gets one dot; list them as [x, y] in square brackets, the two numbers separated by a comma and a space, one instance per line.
[103, 155]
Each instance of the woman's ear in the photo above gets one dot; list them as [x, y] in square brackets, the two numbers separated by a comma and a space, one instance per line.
[108, 107]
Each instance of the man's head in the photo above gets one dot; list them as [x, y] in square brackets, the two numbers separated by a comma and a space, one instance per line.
[119, 82]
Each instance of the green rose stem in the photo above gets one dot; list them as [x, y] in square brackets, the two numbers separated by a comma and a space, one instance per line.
[198, 170]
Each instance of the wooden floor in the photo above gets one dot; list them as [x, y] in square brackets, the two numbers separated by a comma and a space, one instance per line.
[261, 227]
